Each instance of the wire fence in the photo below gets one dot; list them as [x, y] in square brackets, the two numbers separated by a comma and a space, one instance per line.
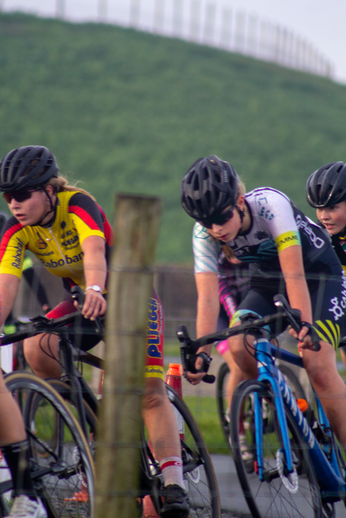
[200, 21]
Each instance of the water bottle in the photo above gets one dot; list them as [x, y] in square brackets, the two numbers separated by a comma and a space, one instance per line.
[315, 426]
[173, 379]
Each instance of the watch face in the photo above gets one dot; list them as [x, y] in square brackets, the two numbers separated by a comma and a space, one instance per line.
[94, 288]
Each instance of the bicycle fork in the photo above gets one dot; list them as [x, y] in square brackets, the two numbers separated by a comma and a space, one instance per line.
[269, 372]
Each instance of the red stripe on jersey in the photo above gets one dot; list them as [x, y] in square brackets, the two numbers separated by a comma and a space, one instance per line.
[107, 229]
[7, 236]
[84, 216]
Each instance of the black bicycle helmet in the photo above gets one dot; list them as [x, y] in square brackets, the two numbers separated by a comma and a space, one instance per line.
[208, 188]
[26, 168]
[327, 185]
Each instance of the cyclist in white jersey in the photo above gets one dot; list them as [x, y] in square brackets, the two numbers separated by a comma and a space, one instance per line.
[287, 253]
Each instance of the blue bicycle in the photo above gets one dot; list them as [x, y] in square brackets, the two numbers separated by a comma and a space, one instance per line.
[298, 470]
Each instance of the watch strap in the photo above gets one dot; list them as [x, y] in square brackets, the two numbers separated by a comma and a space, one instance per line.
[94, 287]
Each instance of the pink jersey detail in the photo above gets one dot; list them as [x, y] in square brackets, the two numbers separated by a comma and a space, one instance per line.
[222, 347]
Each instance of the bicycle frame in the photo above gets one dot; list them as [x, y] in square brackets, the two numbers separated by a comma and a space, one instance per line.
[327, 471]
[70, 374]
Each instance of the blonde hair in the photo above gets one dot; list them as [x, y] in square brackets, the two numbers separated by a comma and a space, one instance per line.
[227, 250]
[61, 184]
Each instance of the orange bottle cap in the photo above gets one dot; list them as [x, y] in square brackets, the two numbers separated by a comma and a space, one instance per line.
[174, 369]
[303, 404]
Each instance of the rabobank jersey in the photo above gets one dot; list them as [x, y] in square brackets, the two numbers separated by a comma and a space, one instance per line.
[58, 246]
[276, 223]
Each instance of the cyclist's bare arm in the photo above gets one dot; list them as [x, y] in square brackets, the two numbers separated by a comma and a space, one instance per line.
[291, 262]
[8, 293]
[208, 307]
[95, 272]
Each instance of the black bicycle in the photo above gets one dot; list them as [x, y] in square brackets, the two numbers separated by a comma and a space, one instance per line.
[61, 468]
[199, 476]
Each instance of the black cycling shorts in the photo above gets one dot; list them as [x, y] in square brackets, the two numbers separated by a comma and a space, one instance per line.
[328, 301]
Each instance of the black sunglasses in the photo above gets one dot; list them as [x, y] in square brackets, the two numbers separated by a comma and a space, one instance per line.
[19, 196]
[220, 220]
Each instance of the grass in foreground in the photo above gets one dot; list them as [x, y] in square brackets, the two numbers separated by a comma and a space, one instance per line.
[204, 411]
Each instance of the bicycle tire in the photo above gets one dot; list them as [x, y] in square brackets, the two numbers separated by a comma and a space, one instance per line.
[328, 446]
[221, 384]
[198, 470]
[69, 466]
[65, 392]
[271, 498]
[221, 402]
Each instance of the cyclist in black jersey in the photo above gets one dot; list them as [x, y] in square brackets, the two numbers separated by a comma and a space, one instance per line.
[326, 192]
[287, 254]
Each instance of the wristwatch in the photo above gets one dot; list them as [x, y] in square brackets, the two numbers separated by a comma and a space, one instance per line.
[94, 287]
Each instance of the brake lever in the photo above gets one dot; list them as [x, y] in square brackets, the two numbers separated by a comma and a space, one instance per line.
[78, 295]
[293, 316]
[188, 355]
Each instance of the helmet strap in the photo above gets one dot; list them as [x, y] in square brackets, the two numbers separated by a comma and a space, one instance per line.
[52, 209]
[241, 215]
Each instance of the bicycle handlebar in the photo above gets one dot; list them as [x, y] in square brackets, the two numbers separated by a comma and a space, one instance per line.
[42, 324]
[289, 316]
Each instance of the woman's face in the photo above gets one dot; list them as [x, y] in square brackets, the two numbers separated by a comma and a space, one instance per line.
[333, 218]
[32, 210]
[229, 230]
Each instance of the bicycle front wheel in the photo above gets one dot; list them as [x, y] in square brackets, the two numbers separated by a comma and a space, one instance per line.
[280, 494]
[62, 462]
[221, 398]
[199, 475]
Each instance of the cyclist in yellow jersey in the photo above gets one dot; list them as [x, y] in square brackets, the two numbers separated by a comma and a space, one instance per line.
[287, 253]
[68, 232]
[326, 192]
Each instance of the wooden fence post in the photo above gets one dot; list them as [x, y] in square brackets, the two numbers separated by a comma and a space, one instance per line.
[226, 31]
[159, 16]
[129, 288]
[60, 9]
[102, 11]
[135, 8]
[195, 20]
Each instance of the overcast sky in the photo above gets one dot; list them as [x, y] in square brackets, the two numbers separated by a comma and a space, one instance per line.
[322, 23]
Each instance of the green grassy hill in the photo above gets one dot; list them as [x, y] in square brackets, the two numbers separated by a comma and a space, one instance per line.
[126, 111]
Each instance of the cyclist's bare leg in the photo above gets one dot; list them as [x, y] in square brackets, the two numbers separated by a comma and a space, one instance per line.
[243, 359]
[12, 428]
[330, 388]
[235, 377]
[159, 418]
[40, 352]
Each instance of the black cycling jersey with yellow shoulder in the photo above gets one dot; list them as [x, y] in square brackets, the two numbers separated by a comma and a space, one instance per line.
[58, 246]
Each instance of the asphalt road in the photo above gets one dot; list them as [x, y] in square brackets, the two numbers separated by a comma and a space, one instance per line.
[233, 503]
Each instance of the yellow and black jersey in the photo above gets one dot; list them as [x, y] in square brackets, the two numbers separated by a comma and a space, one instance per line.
[58, 246]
